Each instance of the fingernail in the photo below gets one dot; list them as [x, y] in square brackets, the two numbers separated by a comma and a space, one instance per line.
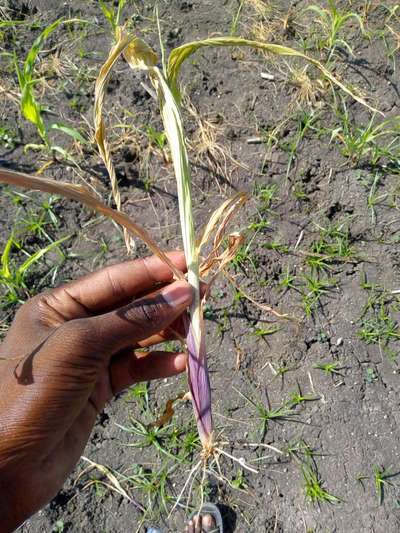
[178, 294]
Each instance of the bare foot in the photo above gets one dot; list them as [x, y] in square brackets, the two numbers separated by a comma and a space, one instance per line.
[201, 524]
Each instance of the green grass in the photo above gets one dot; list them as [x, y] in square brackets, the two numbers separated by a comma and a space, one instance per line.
[377, 324]
[177, 443]
[330, 369]
[331, 25]
[13, 275]
[380, 327]
[304, 122]
[265, 332]
[8, 138]
[312, 292]
[31, 109]
[332, 246]
[381, 481]
[265, 414]
[313, 486]
[372, 144]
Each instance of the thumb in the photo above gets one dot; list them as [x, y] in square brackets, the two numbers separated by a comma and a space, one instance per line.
[142, 318]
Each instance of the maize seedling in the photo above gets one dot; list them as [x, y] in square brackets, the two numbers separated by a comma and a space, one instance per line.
[165, 82]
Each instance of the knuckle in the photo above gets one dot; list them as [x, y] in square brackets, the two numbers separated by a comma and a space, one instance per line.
[33, 308]
[37, 305]
[81, 332]
[147, 311]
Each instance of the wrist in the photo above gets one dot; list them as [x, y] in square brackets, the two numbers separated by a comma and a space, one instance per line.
[12, 515]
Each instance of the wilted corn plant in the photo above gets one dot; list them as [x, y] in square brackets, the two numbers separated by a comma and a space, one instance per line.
[165, 81]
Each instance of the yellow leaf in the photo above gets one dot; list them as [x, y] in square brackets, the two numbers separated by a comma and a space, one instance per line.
[138, 54]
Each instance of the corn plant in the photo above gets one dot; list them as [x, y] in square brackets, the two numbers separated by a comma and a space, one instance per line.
[332, 21]
[12, 277]
[31, 109]
[165, 82]
[112, 15]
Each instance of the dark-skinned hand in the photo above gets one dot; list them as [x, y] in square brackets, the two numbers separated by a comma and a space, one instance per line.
[68, 352]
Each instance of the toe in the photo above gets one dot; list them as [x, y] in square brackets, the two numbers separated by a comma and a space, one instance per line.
[208, 523]
[198, 523]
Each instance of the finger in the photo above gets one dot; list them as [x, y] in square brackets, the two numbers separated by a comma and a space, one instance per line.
[109, 287]
[129, 368]
[176, 331]
[140, 319]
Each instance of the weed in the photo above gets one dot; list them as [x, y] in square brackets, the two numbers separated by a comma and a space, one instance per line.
[377, 325]
[236, 19]
[276, 246]
[370, 375]
[381, 480]
[304, 456]
[58, 527]
[361, 142]
[312, 292]
[332, 23]
[157, 138]
[112, 15]
[243, 255]
[8, 138]
[297, 398]
[264, 332]
[313, 486]
[374, 198]
[305, 122]
[31, 109]
[299, 450]
[333, 245]
[266, 195]
[330, 369]
[178, 444]
[286, 280]
[265, 414]
[148, 435]
[13, 277]
[239, 481]
[139, 393]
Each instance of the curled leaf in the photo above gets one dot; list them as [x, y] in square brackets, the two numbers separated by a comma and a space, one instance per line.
[138, 54]
[82, 195]
[181, 53]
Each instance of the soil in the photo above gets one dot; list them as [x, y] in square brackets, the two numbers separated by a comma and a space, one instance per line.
[351, 419]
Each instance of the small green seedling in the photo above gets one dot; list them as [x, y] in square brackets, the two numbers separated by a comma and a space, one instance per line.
[265, 414]
[313, 486]
[264, 332]
[297, 398]
[12, 277]
[333, 22]
[112, 15]
[381, 480]
[371, 141]
[30, 107]
[157, 138]
[239, 481]
[312, 292]
[330, 369]
[149, 435]
[370, 376]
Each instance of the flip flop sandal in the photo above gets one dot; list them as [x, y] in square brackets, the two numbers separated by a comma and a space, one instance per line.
[211, 509]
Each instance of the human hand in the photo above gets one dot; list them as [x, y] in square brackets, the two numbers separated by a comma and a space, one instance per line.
[67, 353]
